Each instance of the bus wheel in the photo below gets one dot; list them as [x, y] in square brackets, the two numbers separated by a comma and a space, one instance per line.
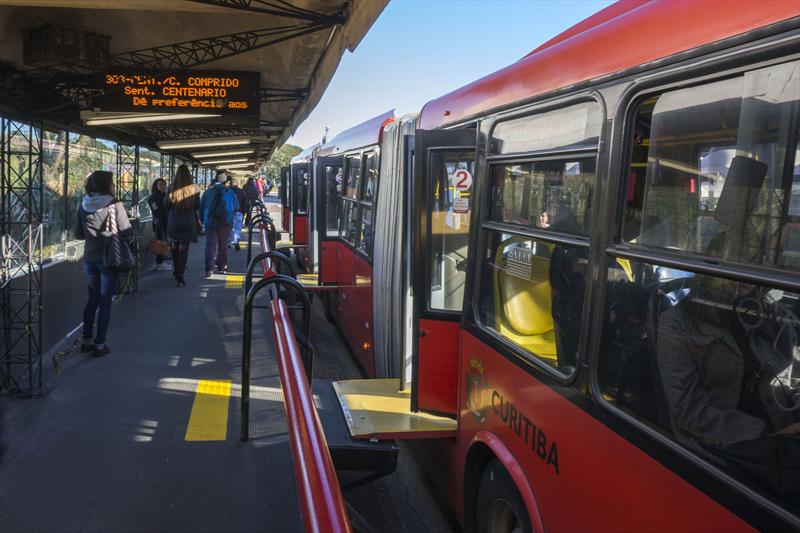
[500, 508]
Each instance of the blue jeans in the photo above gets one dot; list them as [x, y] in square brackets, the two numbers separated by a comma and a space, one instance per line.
[101, 283]
[238, 217]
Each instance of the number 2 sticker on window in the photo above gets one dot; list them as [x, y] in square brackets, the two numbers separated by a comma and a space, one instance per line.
[461, 180]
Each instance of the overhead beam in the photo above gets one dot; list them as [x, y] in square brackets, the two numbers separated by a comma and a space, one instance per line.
[272, 95]
[189, 54]
[277, 8]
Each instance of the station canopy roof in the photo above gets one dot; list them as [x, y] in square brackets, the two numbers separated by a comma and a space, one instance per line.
[56, 57]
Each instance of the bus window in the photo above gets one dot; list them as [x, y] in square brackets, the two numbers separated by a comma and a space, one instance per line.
[710, 169]
[574, 127]
[351, 215]
[553, 194]
[367, 198]
[300, 190]
[370, 178]
[333, 192]
[353, 173]
[448, 230]
[532, 290]
[713, 362]
[532, 294]
[365, 234]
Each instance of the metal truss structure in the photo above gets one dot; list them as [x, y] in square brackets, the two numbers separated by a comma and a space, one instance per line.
[167, 167]
[21, 218]
[80, 83]
[274, 7]
[66, 88]
[190, 54]
[128, 178]
[127, 191]
[275, 95]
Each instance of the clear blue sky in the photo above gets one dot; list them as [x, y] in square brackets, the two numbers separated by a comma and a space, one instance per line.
[420, 49]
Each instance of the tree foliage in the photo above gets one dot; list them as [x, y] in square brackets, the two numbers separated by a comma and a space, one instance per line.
[280, 158]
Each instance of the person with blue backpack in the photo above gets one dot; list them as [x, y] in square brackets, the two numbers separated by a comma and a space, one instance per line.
[217, 209]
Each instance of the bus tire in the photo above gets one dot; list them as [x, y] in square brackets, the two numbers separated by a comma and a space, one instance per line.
[499, 507]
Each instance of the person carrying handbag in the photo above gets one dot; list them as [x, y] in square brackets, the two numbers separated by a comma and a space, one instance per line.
[156, 201]
[98, 231]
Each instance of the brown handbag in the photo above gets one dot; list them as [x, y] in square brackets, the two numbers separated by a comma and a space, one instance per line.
[158, 247]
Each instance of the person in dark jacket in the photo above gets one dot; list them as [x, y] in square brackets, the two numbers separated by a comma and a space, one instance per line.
[98, 204]
[238, 217]
[218, 205]
[251, 191]
[158, 194]
[182, 202]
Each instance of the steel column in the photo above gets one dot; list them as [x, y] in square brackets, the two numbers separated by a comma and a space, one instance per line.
[21, 202]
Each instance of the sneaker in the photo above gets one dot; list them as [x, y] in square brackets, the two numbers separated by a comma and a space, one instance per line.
[237, 246]
[221, 270]
[164, 266]
[87, 346]
[208, 273]
[100, 350]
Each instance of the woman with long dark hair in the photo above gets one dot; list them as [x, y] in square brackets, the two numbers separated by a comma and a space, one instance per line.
[158, 193]
[98, 204]
[182, 202]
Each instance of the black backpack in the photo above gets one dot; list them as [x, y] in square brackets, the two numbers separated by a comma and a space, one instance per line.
[219, 215]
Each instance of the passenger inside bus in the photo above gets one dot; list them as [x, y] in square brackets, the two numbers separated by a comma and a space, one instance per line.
[710, 361]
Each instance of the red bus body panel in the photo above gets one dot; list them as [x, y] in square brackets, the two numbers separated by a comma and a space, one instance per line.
[438, 363]
[300, 235]
[640, 34]
[619, 487]
[354, 305]
[329, 262]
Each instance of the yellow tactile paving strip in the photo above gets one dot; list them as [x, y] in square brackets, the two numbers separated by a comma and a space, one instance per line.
[375, 408]
[209, 418]
[234, 281]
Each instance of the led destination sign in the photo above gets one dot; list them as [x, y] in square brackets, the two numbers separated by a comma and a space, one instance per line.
[214, 92]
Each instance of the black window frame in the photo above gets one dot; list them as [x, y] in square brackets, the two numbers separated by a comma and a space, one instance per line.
[485, 226]
[358, 201]
[367, 204]
[434, 152]
[295, 184]
[327, 233]
[615, 247]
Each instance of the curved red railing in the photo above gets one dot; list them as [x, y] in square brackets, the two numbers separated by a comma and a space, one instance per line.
[321, 499]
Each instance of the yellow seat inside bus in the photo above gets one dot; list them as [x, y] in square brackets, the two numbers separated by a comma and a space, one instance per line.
[524, 298]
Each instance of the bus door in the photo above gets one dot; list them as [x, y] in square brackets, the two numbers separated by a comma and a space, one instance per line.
[286, 173]
[327, 203]
[299, 200]
[440, 207]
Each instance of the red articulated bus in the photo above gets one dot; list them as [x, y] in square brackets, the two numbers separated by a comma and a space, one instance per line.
[585, 276]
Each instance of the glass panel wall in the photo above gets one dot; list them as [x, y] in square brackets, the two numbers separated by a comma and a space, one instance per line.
[67, 159]
[54, 167]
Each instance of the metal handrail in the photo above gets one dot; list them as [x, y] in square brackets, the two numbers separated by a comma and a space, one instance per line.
[321, 500]
[306, 351]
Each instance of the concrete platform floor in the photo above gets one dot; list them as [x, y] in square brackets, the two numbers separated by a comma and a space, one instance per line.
[106, 449]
